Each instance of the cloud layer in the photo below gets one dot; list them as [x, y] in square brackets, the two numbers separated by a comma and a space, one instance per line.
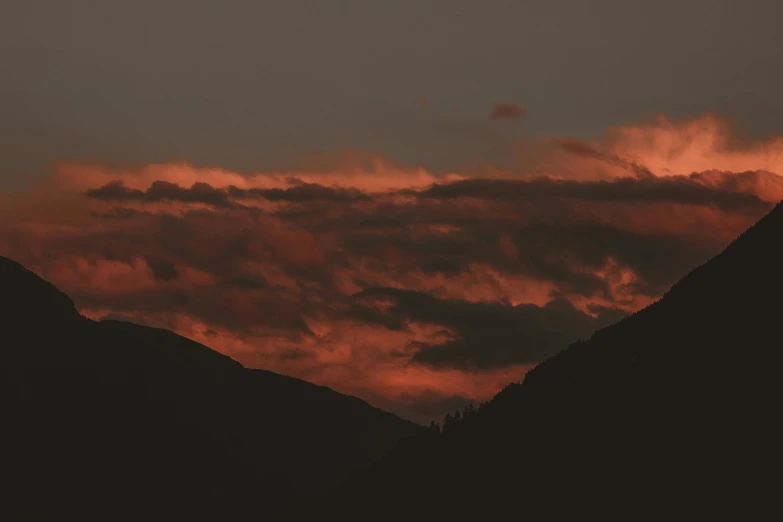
[414, 291]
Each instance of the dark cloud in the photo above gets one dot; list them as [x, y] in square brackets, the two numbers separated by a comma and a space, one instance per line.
[444, 265]
[580, 148]
[583, 150]
[302, 192]
[224, 198]
[247, 283]
[488, 335]
[507, 111]
[675, 189]
[199, 192]
[163, 270]
[748, 181]
[118, 213]
[555, 253]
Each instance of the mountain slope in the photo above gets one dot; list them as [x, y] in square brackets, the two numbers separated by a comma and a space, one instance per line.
[669, 413]
[114, 420]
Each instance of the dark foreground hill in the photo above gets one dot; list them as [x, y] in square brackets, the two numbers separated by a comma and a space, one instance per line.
[110, 420]
[672, 413]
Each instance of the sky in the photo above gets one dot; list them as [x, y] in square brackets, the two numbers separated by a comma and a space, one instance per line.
[412, 202]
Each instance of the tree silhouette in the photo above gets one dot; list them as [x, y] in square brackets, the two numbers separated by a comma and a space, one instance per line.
[448, 422]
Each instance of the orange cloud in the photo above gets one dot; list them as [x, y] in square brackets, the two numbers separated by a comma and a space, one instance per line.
[684, 147]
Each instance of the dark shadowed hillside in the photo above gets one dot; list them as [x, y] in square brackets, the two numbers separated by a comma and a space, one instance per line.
[671, 413]
[110, 420]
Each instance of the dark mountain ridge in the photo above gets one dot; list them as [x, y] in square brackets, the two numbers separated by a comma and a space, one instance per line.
[670, 412]
[111, 420]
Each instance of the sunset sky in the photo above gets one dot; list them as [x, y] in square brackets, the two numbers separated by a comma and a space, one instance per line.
[413, 201]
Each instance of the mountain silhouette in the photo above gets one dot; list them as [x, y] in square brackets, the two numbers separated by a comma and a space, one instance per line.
[110, 420]
[671, 413]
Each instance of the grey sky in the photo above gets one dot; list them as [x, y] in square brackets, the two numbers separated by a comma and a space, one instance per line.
[260, 84]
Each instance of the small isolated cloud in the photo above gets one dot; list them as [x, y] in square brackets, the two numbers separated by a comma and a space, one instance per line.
[507, 111]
